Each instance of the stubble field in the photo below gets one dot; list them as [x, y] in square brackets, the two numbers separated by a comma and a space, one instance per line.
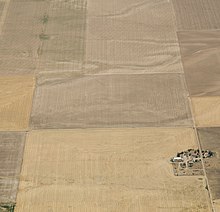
[11, 154]
[108, 170]
[128, 37]
[201, 56]
[80, 101]
[206, 111]
[197, 14]
[15, 102]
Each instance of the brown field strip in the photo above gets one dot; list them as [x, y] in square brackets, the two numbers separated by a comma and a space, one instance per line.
[43, 36]
[127, 36]
[210, 139]
[19, 43]
[15, 102]
[206, 111]
[64, 36]
[68, 101]
[197, 14]
[11, 154]
[200, 52]
[108, 170]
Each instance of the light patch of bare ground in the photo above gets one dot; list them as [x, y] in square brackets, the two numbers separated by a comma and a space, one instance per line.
[200, 52]
[67, 100]
[131, 36]
[197, 14]
[15, 102]
[206, 111]
[108, 170]
[11, 154]
[210, 139]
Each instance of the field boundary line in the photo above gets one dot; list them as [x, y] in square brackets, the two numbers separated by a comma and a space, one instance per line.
[193, 118]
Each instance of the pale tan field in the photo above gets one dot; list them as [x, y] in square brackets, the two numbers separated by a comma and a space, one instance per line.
[15, 102]
[206, 111]
[108, 170]
[201, 60]
[66, 100]
[131, 36]
[197, 14]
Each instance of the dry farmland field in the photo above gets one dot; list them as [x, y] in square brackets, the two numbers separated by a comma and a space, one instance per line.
[201, 55]
[15, 102]
[11, 154]
[108, 170]
[210, 139]
[206, 111]
[126, 36]
[197, 14]
[100, 95]
[73, 101]
[43, 36]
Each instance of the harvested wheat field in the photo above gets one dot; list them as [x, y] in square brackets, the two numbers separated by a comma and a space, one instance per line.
[206, 111]
[11, 154]
[126, 36]
[107, 170]
[210, 139]
[201, 60]
[73, 101]
[15, 102]
[197, 14]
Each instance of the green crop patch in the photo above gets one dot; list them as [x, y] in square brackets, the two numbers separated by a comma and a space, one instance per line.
[9, 207]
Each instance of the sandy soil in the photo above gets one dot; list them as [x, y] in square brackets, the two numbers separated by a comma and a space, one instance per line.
[206, 111]
[15, 102]
[201, 59]
[210, 139]
[11, 154]
[197, 14]
[67, 101]
[107, 170]
[127, 35]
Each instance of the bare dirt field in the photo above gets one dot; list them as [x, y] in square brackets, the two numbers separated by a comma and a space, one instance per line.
[210, 139]
[108, 170]
[128, 36]
[78, 101]
[11, 154]
[206, 111]
[200, 52]
[197, 14]
[15, 102]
